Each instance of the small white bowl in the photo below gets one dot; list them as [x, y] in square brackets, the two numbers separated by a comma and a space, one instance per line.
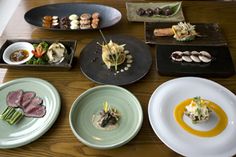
[17, 46]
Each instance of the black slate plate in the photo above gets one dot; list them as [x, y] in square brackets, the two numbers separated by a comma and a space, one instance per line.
[221, 65]
[109, 16]
[211, 32]
[92, 66]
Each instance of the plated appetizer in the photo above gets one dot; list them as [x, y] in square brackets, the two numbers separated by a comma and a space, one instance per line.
[118, 60]
[73, 21]
[70, 16]
[22, 103]
[114, 55]
[199, 111]
[191, 56]
[107, 118]
[48, 54]
[44, 54]
[181, 32]
[38, 53]
[195, 60]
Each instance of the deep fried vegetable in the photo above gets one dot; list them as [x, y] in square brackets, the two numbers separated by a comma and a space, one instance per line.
[40, 49]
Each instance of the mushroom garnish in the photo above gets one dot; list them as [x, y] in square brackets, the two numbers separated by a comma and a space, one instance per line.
[56, 53]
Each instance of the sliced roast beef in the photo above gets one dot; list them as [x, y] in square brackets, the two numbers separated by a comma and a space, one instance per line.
[26, 98]
[31, 105]
[14, 98]
[34, 108]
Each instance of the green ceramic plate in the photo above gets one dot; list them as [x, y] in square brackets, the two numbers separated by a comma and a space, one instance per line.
[176, 7]
[28, 129]
[91, 102]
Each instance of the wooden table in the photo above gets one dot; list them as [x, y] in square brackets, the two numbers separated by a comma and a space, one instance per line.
[59, 140]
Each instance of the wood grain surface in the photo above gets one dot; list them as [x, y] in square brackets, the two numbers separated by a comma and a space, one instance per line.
[59, 140]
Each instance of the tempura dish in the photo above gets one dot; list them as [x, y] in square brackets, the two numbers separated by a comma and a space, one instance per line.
[113, 54]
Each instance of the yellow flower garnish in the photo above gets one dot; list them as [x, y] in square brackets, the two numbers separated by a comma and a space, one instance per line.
[105, 107]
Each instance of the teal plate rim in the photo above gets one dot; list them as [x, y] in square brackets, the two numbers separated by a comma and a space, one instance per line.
[45, 123]
[111, 145]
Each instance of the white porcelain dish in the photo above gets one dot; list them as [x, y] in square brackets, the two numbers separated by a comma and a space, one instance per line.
[17, 46]
[160, 112]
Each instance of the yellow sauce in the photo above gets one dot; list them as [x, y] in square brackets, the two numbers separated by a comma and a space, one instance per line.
[220, 126]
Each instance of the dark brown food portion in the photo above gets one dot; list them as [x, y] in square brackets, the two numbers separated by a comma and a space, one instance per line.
[107, 118]
[64, 23]
[140, 12]
[166, 11]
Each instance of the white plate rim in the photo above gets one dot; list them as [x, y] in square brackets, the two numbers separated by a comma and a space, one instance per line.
[160, 135]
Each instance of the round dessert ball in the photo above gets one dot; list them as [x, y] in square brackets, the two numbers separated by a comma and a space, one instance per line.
[157, 11]
[149, 12]
[167, 11]
[141, 12]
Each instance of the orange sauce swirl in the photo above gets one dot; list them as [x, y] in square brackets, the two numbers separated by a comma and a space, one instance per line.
[220, 126]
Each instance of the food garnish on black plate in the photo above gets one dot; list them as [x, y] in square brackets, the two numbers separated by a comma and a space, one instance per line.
[73, 16]
[121, 60]
[114, 55]
[183, 31]
[73, 21]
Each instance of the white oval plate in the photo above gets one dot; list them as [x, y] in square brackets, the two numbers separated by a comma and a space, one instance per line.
[28, 129]
[160, 112]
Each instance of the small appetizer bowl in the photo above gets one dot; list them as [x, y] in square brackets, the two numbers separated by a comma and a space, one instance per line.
[13, 50]
[89, 104]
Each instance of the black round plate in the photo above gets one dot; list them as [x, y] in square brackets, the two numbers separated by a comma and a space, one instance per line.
[92, 66]
[109, 16]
